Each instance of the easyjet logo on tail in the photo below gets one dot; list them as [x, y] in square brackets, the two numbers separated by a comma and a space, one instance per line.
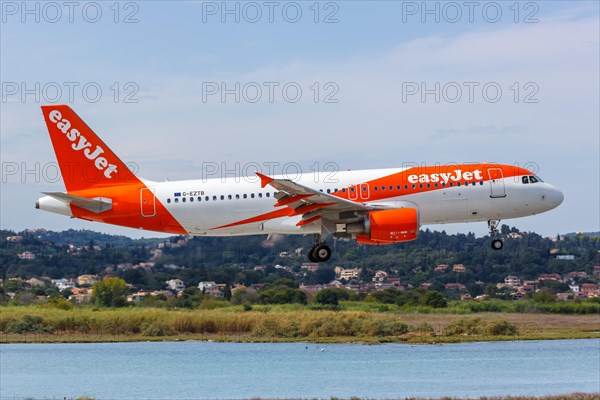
[445, 177]
[80, 143]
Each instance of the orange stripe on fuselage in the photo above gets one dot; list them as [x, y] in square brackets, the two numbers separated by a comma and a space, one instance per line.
[414, 180]
[413, 176]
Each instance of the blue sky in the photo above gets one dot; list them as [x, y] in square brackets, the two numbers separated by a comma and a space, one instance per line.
[355, 110]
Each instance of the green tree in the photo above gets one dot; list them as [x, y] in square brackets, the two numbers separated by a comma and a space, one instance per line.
[227, 292]
[544, 295]
[281, 294]
[324, 275]
[111, 292]
[244, 296]
[435, 299]
[332, 296]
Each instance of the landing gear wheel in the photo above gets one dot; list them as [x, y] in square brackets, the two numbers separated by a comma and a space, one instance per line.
[320, 253]
[497, 244]
[493, 227]
[310, 256]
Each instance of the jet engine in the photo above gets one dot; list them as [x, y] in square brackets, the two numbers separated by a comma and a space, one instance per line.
[386, 226]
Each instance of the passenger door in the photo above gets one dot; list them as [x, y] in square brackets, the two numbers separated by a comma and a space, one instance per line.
[496, 180]
[147, 202]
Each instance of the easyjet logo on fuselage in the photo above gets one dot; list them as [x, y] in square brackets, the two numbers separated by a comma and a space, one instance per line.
[80, 143]
[445, 177]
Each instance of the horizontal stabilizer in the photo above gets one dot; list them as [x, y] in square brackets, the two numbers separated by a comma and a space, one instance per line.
[95, 205]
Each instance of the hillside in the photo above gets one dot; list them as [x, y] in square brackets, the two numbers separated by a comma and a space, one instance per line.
[148, 263]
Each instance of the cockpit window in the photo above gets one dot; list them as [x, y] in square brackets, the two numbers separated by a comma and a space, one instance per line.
[531, 179]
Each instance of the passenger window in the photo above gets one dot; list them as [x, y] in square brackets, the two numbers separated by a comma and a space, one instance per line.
[451, 184]
[428, 185]
[169, 201]
[260, 195]
[245, 196]
[364, 188]
[352, 189]
[443, 184]
[458, 184]
[391, 187]
[199, 198]
[176, 200]
[237, 196]
[398, 187]
[525, 179]
[252, 195]
[343, 190]
[183, 199]
[414, 186]
[215, 198]
[222, 197]
[375, 188]
[382, 187]
[206, 198]
[421, 186]
[191, 199]
[229, 197]
[405, 187]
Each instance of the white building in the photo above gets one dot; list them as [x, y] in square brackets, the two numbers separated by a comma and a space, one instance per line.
[26, 255]
[207, 286]
[175, 284]
[512, 281]
[62, 284]
[348, 274]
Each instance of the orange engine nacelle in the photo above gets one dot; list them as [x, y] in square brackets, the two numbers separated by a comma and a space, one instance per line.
[390, 226]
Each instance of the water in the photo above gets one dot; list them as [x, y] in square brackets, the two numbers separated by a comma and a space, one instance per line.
[201, 370]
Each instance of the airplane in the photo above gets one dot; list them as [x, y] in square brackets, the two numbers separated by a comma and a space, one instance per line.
[374, 207]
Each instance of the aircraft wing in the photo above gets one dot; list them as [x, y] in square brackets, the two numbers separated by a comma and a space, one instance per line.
[313, 204]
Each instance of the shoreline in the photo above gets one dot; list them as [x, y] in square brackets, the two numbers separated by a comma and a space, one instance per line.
[357, 341]
[47, 325]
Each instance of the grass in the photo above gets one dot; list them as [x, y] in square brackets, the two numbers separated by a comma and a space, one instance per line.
[367, 323]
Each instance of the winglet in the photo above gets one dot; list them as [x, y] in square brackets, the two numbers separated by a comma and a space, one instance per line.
[264, 180]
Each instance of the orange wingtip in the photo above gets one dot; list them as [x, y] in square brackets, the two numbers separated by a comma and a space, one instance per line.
[264, 180]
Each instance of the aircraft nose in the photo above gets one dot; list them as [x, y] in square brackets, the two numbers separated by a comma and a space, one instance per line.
[554, 196]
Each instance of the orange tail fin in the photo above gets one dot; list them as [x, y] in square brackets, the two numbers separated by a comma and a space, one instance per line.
[85, 161]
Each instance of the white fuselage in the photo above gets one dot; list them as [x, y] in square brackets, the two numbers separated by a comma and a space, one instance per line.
[204, 207]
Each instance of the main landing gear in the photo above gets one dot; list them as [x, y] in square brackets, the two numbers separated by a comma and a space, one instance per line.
[496, 244]
[319, 252]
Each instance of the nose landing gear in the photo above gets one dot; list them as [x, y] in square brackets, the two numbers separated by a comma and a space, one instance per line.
[496, 244]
